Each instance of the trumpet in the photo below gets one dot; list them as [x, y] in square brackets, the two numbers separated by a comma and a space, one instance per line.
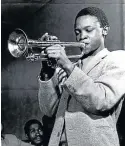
[19, 45]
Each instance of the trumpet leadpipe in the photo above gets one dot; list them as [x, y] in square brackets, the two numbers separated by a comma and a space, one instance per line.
[36, 43]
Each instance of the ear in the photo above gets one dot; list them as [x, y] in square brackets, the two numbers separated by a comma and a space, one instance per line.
[105, 30]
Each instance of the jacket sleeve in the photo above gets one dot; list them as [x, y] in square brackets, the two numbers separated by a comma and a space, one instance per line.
[48, 96]
[103, 93]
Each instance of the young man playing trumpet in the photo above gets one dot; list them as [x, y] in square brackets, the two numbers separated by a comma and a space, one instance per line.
[87, 96]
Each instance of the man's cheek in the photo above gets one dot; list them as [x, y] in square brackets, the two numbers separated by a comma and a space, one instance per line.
[87, 49]
[96, 42]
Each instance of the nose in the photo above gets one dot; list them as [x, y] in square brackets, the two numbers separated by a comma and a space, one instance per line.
[83, 35]
[37, 132]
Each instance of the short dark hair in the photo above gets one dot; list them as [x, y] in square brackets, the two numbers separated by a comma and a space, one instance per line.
[94, 11]
[29, 123]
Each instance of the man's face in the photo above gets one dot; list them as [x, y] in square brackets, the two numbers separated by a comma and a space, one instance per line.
[88, 31]
[35, 134]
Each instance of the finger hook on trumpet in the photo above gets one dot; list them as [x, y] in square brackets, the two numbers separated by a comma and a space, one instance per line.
[18, 45]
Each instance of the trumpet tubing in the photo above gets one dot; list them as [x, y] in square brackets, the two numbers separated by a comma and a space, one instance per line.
[36, 43]
[19, 44]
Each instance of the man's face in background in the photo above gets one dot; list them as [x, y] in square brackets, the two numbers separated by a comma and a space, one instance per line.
[88, 30]
[35, 134]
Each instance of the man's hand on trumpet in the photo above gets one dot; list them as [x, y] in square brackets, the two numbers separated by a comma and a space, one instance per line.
[58, 52]
[47, 37]
[48, 66]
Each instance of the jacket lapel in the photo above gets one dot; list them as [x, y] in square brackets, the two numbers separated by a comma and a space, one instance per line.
[95, 60]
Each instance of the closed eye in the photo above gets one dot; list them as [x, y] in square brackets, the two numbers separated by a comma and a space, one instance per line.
[89, 29]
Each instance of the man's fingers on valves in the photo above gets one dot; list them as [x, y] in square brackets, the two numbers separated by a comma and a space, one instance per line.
[54, 51]
[47, 37]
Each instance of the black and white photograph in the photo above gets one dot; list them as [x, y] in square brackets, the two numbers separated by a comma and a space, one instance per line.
[62, 72]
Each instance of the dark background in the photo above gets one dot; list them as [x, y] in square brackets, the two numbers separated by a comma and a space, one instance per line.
[19, 86]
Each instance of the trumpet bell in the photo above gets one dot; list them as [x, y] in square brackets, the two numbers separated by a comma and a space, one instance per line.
[17, 43]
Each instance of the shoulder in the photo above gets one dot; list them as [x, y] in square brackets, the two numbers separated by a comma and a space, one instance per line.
[117, 55]
[116, 58]
[26, 143]
[10, 137]
[10, 140]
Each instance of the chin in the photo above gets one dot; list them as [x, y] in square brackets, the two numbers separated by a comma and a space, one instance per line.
[38, 142]
[87, 50]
